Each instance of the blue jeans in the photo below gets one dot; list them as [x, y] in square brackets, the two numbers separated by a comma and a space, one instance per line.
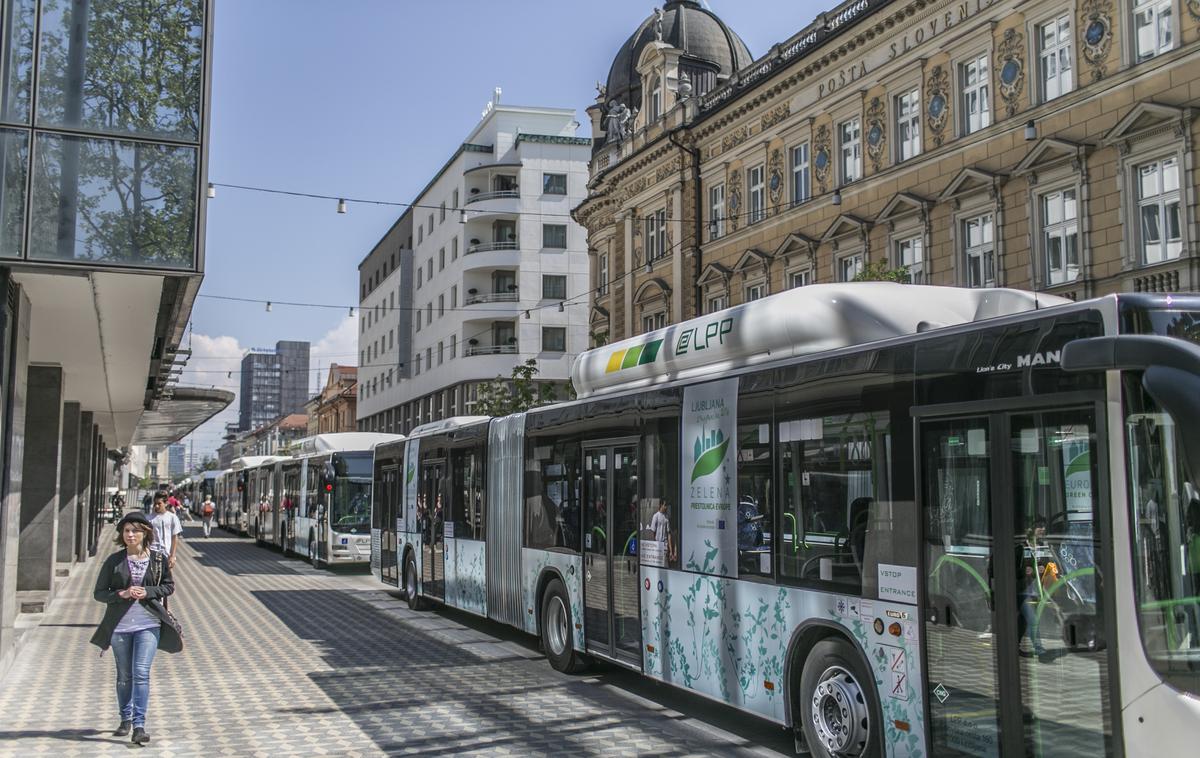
[134, 652]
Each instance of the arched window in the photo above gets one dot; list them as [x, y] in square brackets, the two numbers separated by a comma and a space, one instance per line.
[656, 99]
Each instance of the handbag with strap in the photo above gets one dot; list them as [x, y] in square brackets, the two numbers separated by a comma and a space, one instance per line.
[168, 618]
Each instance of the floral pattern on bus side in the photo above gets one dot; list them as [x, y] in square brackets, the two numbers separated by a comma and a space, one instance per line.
[570, 567]
[465, 584]
[730, 642]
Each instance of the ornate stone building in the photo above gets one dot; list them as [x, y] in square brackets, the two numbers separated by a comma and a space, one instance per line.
[1045, 144]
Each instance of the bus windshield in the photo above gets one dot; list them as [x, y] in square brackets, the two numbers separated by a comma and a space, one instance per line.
[1165, 501]
[351, 506]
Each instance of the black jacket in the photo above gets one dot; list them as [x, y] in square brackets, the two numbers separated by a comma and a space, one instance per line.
[114, 577]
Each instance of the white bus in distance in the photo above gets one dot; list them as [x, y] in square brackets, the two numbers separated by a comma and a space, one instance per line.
[899, 520]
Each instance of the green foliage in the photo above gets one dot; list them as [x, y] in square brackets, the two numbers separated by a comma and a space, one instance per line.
[879, 271]
[518, 393]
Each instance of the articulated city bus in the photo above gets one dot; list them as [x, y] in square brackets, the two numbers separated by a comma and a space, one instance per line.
[899, 520]
[316, 502]
[240, 511]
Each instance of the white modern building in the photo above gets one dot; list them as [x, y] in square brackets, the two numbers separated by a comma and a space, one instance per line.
[485, 271]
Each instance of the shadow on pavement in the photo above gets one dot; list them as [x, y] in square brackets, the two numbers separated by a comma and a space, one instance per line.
[71, 735]
[229, 554]
[446, 682]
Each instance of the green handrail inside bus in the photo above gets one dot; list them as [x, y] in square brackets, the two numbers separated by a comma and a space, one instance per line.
[1062, 580]
[598, 530]
[795, 534]
[954, 559]
[1170, 605]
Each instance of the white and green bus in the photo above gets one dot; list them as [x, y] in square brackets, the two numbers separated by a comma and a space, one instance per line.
[898, 520]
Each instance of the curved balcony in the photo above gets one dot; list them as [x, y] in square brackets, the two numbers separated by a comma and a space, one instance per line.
[484, 196]
[473, 350]
[491, 297]
[489, 247]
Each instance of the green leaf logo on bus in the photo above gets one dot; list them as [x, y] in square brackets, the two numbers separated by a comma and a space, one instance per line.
[709, 452]
[408, 476]
[638, 355]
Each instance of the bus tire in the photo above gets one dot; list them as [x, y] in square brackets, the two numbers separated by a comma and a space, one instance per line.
[558, 634]
[838, 706]
[411, 594]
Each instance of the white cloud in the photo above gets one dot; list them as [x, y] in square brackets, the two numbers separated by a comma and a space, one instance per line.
[339, 345]
[215, 362]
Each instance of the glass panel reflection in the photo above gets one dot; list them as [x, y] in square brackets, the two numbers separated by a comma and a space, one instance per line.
[16, 47]
[14, 165]
[111, 201]
[122, 66]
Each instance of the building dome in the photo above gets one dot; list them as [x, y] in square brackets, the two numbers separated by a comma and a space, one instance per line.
[712, 52]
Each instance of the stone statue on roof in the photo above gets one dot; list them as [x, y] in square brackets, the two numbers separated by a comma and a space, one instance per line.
[658, 24]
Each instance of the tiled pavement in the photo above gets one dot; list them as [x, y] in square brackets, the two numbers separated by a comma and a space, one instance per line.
[281, 659]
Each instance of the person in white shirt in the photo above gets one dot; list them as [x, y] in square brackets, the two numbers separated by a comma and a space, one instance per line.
[661, 524]
[167, 530]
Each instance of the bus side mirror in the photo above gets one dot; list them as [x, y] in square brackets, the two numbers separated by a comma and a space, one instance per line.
[1171, 375]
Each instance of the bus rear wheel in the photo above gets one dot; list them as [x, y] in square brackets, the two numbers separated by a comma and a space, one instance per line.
[838, 705]
[558, 634]
[410, 584]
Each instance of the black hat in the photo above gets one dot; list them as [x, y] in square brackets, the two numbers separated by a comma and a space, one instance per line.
[133, 517]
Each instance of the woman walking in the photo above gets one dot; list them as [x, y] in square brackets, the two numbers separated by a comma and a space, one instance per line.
[132, 583]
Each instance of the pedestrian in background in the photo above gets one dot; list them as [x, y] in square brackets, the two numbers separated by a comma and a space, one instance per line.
[167, 530]
[207, 511]
[132, 583]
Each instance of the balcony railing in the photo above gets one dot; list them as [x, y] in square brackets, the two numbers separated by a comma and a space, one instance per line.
[487, 247]
[479, 198]
[491, 350]
[492, 297]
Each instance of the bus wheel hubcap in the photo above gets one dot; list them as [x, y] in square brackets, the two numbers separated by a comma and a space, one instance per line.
[556, 626]
[839, 713]
[410, 583]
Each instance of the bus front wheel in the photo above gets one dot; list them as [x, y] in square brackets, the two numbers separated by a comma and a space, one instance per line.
[838, 705]
[410, 583]
[558, 637]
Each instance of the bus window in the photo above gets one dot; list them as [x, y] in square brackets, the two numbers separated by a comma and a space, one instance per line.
[834, 491]
[552, 506]
[467, 495]
[660, 511]
[1165, 501]
[755, 514]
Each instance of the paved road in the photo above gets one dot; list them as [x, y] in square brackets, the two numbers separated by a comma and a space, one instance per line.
[281, 659]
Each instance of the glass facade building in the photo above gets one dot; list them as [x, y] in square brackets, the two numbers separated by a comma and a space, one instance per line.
[101, 131]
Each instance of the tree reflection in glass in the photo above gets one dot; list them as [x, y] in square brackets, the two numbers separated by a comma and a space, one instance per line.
[113, 201]
[125, 66]
[16, 47]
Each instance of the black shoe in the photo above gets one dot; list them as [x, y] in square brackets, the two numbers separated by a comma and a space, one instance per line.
[123, 729]
[139, 736]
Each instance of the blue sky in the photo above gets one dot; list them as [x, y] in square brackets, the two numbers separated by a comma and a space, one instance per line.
[367, 99]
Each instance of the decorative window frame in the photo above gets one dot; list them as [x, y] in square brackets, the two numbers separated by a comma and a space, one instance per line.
[754, 266]
[794, 137]
[797, 252]
[1051, 165]
[974, 192]
[977, 42]
[908, 215]
[1148, 132]
[852, 107]
[714, 282]
[650, 299]
[1129, 52]
[1037, 16]
[910, 77]
[847, 235]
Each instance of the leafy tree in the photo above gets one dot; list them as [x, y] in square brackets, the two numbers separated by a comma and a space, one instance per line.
[879, 271]
[518, 393]
[129, 67]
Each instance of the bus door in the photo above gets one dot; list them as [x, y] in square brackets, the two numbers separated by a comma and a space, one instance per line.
[612, 625]
[387, 501]
[1015, 602]
[431, 512]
